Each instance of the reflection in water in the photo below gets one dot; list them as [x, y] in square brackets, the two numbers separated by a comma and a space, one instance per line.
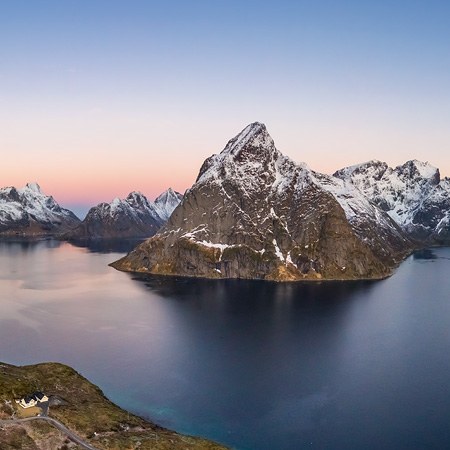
[16, 246]
[107, 245]
[426, 253]
[256, 365]
[239, 295]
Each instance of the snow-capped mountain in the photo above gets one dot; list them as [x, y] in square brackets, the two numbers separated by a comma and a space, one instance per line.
[254, 213]
[412, 194]
[132, 217]
[29, 212]
[167, 202]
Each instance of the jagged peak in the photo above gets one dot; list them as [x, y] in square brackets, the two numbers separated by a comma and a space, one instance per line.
[414, 168]
[137, 199]
[255, 134]
[34, 187]
[374, 164]
[252, 144]
[135, 195]
[167, 195]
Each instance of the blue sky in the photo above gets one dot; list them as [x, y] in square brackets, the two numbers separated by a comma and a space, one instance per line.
[131, 95]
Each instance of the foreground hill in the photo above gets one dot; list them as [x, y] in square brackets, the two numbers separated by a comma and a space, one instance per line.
[83, 409]
[413, 194]
[29, 212]
[254, 213]
[132, 217]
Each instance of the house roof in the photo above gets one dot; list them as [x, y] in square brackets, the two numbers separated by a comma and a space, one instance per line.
[38, 395]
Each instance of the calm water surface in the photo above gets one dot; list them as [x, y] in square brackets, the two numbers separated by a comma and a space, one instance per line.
[360, 365]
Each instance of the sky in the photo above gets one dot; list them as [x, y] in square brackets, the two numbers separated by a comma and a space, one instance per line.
[102, 97]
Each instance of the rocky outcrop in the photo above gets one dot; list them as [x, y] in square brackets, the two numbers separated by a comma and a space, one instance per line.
[254, 213]
[28, 212]
[413, 195]
[133, 217]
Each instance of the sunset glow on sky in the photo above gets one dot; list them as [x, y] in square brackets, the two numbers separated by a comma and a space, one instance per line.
[99, 98]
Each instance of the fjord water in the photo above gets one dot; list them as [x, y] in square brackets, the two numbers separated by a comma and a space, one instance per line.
[255, 365]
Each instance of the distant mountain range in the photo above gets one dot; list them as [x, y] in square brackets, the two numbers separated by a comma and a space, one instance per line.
[133, 217]
[414, 195]
[254, 213]
[28, 212]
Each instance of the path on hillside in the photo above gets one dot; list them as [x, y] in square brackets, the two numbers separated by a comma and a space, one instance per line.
[71, 435]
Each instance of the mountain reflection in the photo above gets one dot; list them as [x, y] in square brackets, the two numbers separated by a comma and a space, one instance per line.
[107, 245]
[241, 294]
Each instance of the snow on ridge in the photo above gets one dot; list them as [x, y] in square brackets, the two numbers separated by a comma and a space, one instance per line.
[166, 203]
[255, 135]
[350, 170]
[30, 202]
[255, 130]
[425, 169]
[402, 192]
[33, 187]
[132, 205]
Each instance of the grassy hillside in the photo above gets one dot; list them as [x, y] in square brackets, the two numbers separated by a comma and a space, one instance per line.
[83, 408]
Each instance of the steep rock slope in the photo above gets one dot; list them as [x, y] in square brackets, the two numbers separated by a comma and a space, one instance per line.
[254, 213]
[132, 217]
[412, 194]
[29, 212]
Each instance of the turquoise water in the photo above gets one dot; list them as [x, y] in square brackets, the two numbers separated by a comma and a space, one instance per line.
[251, 364]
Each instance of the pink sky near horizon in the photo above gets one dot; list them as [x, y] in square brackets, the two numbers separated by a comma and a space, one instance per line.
[89, 171]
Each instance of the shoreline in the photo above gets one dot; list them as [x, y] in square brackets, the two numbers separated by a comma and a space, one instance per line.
[83, 410]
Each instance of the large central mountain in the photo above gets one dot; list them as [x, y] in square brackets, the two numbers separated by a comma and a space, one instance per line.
[254, 213]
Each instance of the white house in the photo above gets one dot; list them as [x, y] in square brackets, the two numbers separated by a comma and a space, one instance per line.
[32, 400]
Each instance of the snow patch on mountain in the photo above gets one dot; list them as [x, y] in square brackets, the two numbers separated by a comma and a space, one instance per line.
[132, 217]
[412, 194]
[21, 209]
[166, 203]
[255, 213]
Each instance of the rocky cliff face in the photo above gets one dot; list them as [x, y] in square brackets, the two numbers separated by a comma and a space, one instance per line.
[412, 194]
[29, 212]
[254, 213]
[133, 217]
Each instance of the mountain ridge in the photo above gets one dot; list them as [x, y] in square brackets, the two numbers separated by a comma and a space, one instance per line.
[412, 194]
[255, 213]
[28, 211]
[132, 217]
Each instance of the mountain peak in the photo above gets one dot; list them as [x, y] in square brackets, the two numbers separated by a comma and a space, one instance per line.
[253, 146]
[375, 167]
[135, 195]
[29, 212]
[415, 168]
[255, 213]
[34, 187]
[168, 193]
[253, 135]
[167, 202]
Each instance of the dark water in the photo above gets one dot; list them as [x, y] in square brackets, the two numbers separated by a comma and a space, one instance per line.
[363, 365]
